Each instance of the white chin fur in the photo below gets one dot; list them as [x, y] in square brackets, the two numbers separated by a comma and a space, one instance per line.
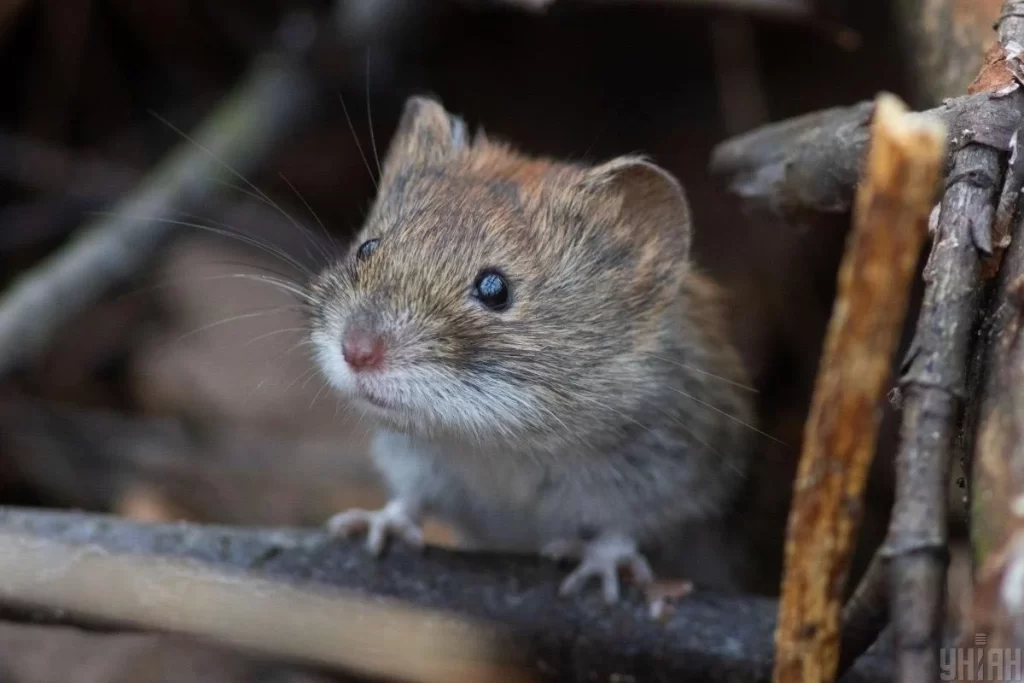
[423, 398]
[331, 363]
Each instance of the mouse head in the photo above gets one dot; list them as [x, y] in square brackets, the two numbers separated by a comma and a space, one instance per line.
[496, 294]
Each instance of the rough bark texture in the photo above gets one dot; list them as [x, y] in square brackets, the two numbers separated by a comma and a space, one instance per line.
[812, 163]
[890, 222]
[934, 385]
[996, 469]
[998, 482]
[865, 614]
[708, 637]
[933, 382]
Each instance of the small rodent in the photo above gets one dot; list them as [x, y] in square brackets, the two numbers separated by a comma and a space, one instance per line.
[545, 369]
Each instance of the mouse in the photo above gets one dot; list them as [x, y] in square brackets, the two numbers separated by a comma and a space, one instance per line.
[544, 367]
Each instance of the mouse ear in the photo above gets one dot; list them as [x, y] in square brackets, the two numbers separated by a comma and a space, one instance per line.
[652, 198]
[426, 134]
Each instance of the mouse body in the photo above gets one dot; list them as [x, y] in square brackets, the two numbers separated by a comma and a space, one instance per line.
[544, 366]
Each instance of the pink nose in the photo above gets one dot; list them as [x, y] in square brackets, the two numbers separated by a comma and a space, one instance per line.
[363, 350]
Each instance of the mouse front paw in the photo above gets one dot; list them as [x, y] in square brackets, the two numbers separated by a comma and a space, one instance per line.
[396, 519]
[602, 559]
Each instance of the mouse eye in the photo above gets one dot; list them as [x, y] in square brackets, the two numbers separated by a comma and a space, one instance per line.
[367, 248]
[491, 288]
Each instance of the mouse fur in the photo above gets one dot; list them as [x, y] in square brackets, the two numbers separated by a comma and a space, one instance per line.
[595, 416]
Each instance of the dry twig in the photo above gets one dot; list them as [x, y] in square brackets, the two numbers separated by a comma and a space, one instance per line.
[310, 625]
[890, 220]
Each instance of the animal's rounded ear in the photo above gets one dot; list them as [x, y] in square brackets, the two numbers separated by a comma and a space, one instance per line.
[426, 134]
[652, 199]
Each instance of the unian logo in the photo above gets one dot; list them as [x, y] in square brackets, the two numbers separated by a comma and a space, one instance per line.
[980, 663]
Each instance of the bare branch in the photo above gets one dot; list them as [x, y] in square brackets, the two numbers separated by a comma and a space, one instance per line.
[313, 626]
[812, 163]
[707, 637]
[107, 251]
[842, 428]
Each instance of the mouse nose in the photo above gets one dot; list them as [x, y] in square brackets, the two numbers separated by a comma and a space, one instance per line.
[363, 350]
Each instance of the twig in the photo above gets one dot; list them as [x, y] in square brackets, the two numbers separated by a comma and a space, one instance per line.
[740, 89]
[812, 163]
[865, 614]
[707, 637]
[890, 221]
[72, 185]
[264, 108]
[933, 384]
[312, 625]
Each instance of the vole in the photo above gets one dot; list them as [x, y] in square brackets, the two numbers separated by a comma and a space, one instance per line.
[544, 366]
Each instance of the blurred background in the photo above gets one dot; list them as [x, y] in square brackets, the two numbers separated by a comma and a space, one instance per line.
[185, 393]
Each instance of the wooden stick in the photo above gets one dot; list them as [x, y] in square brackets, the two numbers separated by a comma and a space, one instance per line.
[317, 626]
[890, 224]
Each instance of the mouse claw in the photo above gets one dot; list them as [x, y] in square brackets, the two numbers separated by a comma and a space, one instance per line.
[602, 559]
[379, 525]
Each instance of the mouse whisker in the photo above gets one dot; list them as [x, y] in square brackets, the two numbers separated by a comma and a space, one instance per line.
[731, 417]
[258, 243]
[231, 319]
[702, 371]
[229, 168]
[307, 371]
[359, 147]
[245, 239]
[322, 250]
[302, 293]
[369, 114]
[272, 333]
[321, 391]
[327, 235]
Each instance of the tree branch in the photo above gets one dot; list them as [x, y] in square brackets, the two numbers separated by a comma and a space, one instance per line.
[812, 163]
[842, 428]
[110, 250]
[708, 637]
[314, 626]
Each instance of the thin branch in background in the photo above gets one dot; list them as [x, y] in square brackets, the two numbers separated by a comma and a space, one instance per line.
[890, 225]
[865, 615]
[740, 91]
[311, 625]
[265, 107]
